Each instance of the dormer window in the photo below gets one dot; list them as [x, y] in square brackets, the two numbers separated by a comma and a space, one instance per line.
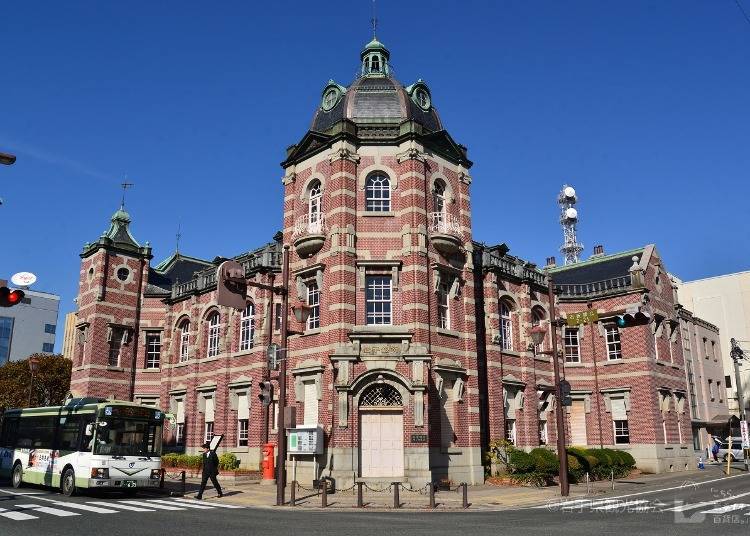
[375, 64]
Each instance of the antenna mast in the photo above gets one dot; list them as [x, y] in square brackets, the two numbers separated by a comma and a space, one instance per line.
[571, 248]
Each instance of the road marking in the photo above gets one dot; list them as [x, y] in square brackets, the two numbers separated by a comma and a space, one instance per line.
[184, 505]
[121, 506]
[617, 505]
[151, 504]
[219, 505]
[589, 503]
[21, 492]
[685, 507]
[86, 507]
[16, 516]
[724, 509]
[47, 510]
[692, 484]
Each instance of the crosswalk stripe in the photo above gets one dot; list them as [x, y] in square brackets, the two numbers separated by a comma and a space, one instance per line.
[219, 505]
[48, 510]
[686, 507]
[724, 509]
[620, 504]
[589, 504]
[151, 504]
[88, 508]
[16, 516]
[121, 506]
[184, 505]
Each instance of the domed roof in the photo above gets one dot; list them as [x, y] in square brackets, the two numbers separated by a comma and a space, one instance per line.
[376, 97]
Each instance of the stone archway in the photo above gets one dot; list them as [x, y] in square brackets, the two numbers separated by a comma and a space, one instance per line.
[381, 432]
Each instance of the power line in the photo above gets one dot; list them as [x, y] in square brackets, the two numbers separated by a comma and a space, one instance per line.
[742, 9]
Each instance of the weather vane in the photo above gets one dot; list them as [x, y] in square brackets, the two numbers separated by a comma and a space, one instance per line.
[125, 186]
[178, 236]
[374, 20]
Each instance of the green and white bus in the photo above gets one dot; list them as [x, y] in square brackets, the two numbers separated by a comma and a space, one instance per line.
[87, 443]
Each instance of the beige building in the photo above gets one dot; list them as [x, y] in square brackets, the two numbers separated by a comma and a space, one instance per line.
[724, 301]
[69, 341]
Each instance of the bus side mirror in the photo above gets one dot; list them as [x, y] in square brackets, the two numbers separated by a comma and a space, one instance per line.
[89, 429]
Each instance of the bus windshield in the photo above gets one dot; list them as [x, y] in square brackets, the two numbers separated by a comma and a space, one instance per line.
[127, 437]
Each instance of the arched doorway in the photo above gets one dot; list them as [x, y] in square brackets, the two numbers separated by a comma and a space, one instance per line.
[381, 431]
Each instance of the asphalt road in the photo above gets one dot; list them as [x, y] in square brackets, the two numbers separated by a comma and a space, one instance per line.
[711, 504]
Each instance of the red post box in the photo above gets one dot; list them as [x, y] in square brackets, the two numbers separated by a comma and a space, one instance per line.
[268, 467]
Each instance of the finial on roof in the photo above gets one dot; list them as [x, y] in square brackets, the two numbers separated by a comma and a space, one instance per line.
[178, 236]
[374, 21]
[125, 185]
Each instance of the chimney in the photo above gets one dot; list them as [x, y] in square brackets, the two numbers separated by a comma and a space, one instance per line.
[598, 251]
[551, 262]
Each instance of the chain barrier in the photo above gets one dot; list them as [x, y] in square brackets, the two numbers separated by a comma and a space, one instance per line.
[384, 490]
[344, 490]
[306, 488]
[410, 489]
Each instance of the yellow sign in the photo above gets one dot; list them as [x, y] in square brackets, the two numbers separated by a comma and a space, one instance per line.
[582, 317]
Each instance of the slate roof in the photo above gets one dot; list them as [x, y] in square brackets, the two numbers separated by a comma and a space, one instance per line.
[175, 268]
[596, 269]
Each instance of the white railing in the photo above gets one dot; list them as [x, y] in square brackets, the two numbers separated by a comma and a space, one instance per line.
[442, 222]
[308, 226]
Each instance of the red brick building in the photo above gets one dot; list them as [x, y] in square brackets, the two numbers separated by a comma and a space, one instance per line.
[416, 353]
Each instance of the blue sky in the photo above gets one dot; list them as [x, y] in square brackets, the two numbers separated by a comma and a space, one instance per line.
[641, 105]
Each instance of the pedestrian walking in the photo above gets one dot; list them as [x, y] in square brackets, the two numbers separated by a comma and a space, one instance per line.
[715, 451]
[210, 470]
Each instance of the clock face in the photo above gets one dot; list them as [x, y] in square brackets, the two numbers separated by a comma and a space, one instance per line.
[422, 98]
[330, 99]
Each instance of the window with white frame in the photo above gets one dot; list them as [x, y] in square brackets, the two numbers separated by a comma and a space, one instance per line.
[242, 432]
[438, 199]
[622, 432]
[313, 301]
[153, 350]
[572, 346]
[378, 193]
[619, 419]
[243, 418]
[378, 300]
[208, 418]
[510, 430]
[213, 335]
[314, 207]
[311, 403]
[117, 338]
[443, 303]
[543, 436]
[506, 327]
[184, 341]
[247, 327]
[179, 411]
[614, 346]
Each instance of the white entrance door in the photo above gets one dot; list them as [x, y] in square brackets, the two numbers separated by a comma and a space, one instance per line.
[382, 443]
[578, 423]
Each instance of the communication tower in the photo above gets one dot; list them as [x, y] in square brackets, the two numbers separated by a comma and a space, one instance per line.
[571, 248]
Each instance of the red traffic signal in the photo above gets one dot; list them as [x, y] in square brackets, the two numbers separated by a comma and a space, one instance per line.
[231, 286]
[9, 298]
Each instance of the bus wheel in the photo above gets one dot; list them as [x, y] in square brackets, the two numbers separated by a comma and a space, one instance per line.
[68, 482]
[17, 480]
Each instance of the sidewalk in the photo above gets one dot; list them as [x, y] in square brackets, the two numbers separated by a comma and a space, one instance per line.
[482, 497]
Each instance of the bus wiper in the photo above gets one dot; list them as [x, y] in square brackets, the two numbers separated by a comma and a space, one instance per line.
[118, 457]
[147, 458]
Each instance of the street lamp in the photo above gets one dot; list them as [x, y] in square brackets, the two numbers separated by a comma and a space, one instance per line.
[737, 355]
[537, 336]
[33, 366]
[301, 312]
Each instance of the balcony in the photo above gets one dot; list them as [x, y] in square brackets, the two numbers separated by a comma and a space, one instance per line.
[606, 287]
[309, 234]
[445, 232]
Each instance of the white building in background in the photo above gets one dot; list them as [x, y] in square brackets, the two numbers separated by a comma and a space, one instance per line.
[725, 302]
[29, 327]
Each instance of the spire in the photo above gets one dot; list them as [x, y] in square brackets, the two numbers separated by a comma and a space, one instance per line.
[374, 21]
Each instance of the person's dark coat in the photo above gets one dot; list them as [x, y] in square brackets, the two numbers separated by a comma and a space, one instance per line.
[210, 463]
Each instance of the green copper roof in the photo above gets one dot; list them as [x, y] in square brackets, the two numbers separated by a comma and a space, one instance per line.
[595, 260]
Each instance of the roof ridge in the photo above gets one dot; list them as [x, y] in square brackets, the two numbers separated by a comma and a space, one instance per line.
[590, 261]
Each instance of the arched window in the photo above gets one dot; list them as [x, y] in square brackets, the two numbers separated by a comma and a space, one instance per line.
[438, 197]
[247, 327]
[213, 335]
[184, 341]
[381, 395]
[537, 315]
[375, 64]
[315, 205]
[378, 193]
[506, 327]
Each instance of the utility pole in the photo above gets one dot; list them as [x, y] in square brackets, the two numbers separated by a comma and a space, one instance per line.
[737, 355]
[562, 453]
[281, 429]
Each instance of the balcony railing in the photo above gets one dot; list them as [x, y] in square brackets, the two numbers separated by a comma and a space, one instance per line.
[597, 288]
[442, 222]
[310, 224]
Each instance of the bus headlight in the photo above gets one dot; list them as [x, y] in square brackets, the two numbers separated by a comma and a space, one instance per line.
[100, 472]
[155, 473]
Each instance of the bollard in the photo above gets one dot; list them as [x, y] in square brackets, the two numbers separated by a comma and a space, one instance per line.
[324, 495]
[613, 480]
[161, 479]
[588, 484]
[466, 494]
[432, 494]
[293, 494]
[360, 502]
[182, 477]
[396, 498]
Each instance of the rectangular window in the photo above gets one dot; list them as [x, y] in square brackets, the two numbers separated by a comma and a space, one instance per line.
[705, 347]
[510, 430]
[311, 404]
[242, 432]
[542, 432]
[117, 338]
[614, 347]
[208, 431]
[313, 301]
[213, 336]
[378, 300]
[711, 392]
[179, 434]
[622, 433]
[277, 317]
[506, 327]
[153, 350]
[50, 328]
[247, 327]
[728, 382]
[713, 349]
[6, 332]
[208, 418]
[572, 346]
[184, 342]
[48, 347]
[444, 313]
[70, 428]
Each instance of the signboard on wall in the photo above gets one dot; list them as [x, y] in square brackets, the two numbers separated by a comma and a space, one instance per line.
[745, 436]
[305, 440]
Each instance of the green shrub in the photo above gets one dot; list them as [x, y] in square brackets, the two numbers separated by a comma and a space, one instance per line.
[545, 461]
[228, 462]
[575, 469]
[520, 462]
[628, 459]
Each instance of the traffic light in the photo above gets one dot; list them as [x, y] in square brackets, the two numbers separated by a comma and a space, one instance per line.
[266, 393]
[9, 298]
[565, 398]
[231, 286]
[630, 319]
